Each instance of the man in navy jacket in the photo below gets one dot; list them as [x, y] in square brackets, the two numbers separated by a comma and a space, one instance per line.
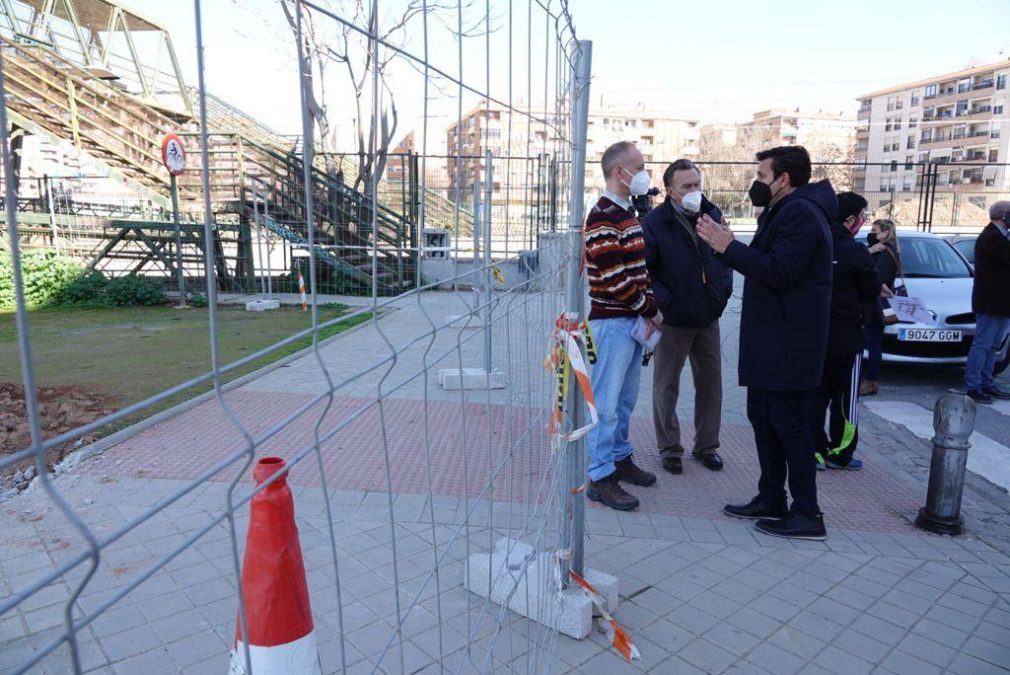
[691, 286]
[783, 333]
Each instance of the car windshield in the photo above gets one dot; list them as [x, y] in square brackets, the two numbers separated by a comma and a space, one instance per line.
[928, 258]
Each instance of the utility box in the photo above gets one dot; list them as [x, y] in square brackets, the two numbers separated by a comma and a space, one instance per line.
[436, 242]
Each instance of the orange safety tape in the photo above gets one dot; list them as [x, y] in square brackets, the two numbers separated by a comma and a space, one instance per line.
[618, 637]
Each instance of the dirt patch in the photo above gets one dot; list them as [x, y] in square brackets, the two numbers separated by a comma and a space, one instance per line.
[60, 410]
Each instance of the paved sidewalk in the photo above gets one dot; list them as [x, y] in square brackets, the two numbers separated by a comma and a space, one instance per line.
[700, 592]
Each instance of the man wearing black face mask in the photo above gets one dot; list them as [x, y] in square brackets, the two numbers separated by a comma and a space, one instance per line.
[691, 286]
[783, 333]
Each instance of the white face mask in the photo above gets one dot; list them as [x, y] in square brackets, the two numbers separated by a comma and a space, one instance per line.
[640, 182]
[692, 201]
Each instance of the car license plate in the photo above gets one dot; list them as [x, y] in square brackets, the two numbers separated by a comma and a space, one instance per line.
[928, 335]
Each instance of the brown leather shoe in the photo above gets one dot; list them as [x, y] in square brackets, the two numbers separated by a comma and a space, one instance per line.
[868, 388]
[609, 492]
[630, 473]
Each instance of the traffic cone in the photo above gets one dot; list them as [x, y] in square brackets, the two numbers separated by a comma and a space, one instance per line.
[278, 616]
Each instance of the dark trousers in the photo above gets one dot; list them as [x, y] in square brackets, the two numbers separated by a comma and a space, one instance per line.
[702, 346]
[839, 394]
[781, 421]
[874, 348]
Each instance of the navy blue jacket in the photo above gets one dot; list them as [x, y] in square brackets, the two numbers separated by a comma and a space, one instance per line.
[787, 291]
[689, 281]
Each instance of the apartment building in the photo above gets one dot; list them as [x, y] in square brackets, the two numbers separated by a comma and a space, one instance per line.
[828, 136]
[958, 120]
[661, 138]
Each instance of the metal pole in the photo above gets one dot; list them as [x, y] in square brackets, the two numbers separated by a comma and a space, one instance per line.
[269, 234]
[259, 237]
[476, 229]
[488, 190]
[52, 213]
[953, 422]
[574, 466]
[179, 275]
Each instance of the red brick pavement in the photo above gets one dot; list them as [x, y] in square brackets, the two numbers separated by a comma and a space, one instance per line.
[188, 445]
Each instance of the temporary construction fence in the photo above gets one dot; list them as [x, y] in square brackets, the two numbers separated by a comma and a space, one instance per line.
[929, 196]
[445, 428]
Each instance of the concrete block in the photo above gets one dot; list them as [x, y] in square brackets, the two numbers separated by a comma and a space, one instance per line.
[454, 379]
[520, 580]
[262, 305]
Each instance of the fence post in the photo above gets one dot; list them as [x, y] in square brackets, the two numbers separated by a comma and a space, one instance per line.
[574, 462]
[486, 273]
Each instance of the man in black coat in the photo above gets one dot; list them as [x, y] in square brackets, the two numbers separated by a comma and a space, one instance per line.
[990, 300]
[783, 333]
[855, 285]
[692, 287]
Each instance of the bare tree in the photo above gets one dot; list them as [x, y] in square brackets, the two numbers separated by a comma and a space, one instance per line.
[355, 50]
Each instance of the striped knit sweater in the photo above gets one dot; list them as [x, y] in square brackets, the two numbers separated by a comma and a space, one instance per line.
[615, 258]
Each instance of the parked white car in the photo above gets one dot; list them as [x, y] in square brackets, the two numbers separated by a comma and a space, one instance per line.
[939, 275]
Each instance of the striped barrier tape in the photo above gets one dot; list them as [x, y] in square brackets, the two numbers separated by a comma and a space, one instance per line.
[619, 638]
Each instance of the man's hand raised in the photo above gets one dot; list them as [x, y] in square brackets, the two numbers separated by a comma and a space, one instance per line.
[714, 234]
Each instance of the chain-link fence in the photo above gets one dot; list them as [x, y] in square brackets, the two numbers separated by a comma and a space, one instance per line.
[930, 196]
[422, 448]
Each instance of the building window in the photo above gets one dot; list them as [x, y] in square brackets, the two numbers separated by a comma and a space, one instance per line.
[915, 100]
[897, 124]
[994, 155]
[895, 147]
[888, 124]
[931, 91]
[910, 143]
[923, 157]
[913, 122]
[1001, 82]
[908, 161]
[997, 110]
[894, 165]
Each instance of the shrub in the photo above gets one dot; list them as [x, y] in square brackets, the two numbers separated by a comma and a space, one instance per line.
[133, 290]
[45, 275]
[86, 290]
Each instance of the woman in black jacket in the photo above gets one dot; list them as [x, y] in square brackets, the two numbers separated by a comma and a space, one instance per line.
[883, 243]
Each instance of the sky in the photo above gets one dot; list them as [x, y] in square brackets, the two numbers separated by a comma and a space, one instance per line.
[719, 60]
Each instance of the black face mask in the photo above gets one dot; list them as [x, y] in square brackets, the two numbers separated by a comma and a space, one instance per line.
[760, 194]
[871, 239]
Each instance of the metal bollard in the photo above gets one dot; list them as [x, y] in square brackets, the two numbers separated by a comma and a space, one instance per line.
[953, 422]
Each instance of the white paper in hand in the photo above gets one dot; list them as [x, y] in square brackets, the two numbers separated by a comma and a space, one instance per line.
[641, 329]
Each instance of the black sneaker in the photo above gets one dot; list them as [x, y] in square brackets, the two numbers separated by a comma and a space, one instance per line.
[996, 392]
[979, 397]
[630, 473]
[757, 508]
[609, 492]
[795, 526]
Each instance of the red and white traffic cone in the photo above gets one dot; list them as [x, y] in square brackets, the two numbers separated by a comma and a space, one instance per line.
[278, 616]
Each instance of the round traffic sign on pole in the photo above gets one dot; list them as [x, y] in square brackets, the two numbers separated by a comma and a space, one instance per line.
[173, 155]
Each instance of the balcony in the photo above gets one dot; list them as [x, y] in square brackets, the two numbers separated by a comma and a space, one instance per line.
[943, 117]
[973, 113]
[983, 84]
[947, 141]
[863, 114]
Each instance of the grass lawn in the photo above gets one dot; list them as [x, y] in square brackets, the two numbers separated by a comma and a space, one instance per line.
[129, 354]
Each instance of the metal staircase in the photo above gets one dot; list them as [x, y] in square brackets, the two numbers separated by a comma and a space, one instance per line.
[50, 96]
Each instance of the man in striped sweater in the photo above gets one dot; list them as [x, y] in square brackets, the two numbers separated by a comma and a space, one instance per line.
[620, 294]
